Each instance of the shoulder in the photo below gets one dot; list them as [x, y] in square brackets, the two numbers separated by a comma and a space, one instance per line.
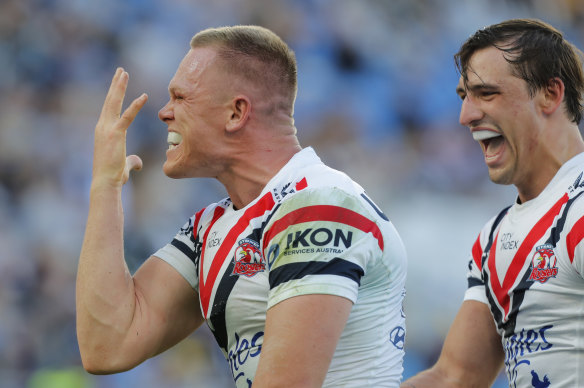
[491, 226]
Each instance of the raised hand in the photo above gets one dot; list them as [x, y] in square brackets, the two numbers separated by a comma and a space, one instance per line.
[111, 166]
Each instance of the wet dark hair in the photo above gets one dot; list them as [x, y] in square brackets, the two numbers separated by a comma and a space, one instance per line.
[537, 53]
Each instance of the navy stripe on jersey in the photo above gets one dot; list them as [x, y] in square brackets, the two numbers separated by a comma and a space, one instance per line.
[217, 317]
[184, 248]
[497, 315]
[559, 227]
[496, 223]
[336, 266]
[473, 282]
[374, 206]
[218, 325]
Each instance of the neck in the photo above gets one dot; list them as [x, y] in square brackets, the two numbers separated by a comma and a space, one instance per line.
[253, 165]
[559, 147]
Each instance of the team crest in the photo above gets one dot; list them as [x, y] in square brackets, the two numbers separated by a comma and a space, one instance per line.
[543, 264]
[248, 259]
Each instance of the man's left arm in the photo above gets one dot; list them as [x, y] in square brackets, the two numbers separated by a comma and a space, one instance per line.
[300, 338]
[317, 247]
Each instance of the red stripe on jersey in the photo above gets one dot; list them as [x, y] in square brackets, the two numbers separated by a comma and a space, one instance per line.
[502, 291]
[574, 237]
[264, 204]
[325, 213]
[197, 219]
[301, 184]
[477, 253]
[216, 215]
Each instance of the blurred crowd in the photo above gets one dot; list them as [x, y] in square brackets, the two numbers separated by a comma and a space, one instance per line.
[376, 99]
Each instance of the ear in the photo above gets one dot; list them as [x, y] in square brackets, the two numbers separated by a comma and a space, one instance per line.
[239, 113]
[553, 95]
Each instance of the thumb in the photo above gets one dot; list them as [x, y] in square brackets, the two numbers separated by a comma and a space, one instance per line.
[133, 162]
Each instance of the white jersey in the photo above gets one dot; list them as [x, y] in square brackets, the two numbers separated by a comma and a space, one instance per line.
[312, 230]
[527, 265]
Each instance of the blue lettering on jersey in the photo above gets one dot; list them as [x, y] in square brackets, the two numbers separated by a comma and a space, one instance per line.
[520, 346]
[310, 241]
[318, 237]
[244, 349]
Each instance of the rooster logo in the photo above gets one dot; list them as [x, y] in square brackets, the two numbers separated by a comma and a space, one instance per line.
[537, 383]
[543, 264]
[248, 258]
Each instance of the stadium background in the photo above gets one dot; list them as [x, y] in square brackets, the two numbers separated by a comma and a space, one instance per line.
[376, 99]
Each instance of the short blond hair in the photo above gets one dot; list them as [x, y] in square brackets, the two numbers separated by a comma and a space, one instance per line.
[257, 54]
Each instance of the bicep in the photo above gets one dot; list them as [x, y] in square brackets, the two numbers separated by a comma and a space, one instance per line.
[301, 336]
[472, 354]
[167, 308]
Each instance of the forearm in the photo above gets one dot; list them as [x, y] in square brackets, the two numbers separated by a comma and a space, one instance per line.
[432, 378]
[105, 294]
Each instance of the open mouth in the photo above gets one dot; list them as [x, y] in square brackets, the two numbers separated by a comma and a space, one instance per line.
[491, 141]
[173, 139]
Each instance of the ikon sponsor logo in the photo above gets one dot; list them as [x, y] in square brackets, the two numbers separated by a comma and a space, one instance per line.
[543, 264]
[305, 241]
[248, 259]
[319, 237]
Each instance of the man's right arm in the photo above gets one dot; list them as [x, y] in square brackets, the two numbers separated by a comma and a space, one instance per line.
[472, 354]
[122, 319]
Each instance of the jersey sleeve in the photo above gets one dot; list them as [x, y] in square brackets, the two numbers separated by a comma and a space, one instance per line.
[320, 242]
[476, 284]
[183, 252]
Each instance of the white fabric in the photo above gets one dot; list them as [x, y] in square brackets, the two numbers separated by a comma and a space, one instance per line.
[311, 231]
[542, 327]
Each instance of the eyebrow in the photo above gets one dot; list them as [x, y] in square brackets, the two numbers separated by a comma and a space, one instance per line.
[474, 89]
[174, 90]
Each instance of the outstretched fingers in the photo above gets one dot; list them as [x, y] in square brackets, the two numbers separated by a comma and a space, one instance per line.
[110, 162]
[130, 113]
[114, 99]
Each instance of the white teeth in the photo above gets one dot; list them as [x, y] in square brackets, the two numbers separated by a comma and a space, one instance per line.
[484, 135]
[173, 139]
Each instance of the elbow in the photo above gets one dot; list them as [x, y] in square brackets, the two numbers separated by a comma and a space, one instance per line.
[293, 382]
[94, 366]
[98, 362]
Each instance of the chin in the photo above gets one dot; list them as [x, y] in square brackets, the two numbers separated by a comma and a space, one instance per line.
[171, 171]
[500, 177]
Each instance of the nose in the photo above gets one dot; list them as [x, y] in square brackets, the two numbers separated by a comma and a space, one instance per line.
[166, 113]
[470, 112]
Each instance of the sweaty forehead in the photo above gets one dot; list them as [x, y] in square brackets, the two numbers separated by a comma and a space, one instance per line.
[197, 60]
[192, 66]
[487, 66]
